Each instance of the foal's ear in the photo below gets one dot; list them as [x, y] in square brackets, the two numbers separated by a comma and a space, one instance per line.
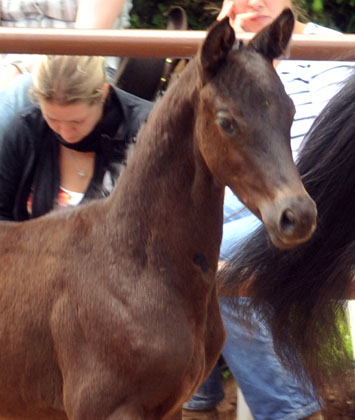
[219, 41]
[273, 40]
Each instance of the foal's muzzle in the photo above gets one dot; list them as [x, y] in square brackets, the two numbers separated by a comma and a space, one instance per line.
[289, 221]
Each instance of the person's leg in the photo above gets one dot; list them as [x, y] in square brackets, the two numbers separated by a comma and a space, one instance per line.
[271, 392]
[209, 394]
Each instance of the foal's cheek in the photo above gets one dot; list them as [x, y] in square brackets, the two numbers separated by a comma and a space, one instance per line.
[215, 157]
[212, 142]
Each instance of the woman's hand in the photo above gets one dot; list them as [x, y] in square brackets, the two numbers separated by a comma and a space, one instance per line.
[238, 21]
[227, 10]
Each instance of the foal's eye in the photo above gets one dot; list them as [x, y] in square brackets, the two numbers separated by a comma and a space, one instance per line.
[227, 123]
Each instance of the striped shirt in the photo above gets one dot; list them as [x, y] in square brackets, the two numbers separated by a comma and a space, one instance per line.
[39, 13]
[47, 14]
[311, 84]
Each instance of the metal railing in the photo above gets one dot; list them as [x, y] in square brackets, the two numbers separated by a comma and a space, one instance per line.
[153, 43]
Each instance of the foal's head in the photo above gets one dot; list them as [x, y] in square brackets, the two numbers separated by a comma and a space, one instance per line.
[243, 128]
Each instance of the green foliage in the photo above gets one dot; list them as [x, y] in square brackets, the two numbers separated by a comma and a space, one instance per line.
[346, 333]
[152, 13]
[337, 14]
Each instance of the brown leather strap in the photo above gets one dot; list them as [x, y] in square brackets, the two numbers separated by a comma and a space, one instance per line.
[149, 77]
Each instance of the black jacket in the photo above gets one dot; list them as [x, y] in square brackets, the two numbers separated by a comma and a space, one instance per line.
[29, 161]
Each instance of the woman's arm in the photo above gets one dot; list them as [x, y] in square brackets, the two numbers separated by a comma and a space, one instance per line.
[98, 14]
[13, 152]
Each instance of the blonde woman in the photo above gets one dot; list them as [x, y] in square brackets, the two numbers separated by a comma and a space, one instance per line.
[68, 148]
[15, 69]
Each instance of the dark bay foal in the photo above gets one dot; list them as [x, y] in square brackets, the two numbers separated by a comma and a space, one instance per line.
[111, 312]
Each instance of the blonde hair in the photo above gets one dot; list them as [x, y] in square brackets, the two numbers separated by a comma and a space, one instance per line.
[66, 79]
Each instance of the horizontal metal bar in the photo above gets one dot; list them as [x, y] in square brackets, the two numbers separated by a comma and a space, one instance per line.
[153, 43]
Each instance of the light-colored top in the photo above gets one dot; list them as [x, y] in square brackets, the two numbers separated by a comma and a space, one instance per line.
[38, 14]
[47, 14]
[311, 84]
[68, 198]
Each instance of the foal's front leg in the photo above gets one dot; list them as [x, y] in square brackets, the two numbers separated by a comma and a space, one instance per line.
[134, 413]
[176, 416]
[128, 413]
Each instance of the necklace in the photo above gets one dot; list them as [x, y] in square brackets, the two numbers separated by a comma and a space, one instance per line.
[79, 171]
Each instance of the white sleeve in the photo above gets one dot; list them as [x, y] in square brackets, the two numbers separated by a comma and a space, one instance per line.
[310, 85]
[326, 79]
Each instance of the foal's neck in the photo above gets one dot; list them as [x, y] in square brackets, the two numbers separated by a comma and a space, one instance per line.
[166, 159]
[166, 182]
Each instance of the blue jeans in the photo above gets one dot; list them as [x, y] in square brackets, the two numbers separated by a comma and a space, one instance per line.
[270, 391]
[209, 394]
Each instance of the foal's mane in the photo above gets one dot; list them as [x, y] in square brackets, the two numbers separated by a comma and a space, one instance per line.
[302, 293]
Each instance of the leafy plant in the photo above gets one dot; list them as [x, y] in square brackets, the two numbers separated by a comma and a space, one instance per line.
[337, 14]
[153, 14]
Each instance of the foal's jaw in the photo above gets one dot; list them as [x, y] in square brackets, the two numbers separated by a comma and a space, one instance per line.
[289, 215]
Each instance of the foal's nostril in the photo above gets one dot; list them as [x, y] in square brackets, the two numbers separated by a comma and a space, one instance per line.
[288, 221]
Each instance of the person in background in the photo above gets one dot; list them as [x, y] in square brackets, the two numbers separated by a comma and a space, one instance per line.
[69, 148]
[84, 14]
[15, 69]
[104, 14]
[270, 391]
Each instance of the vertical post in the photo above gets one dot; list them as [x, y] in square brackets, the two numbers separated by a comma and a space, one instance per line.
[243, 412]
